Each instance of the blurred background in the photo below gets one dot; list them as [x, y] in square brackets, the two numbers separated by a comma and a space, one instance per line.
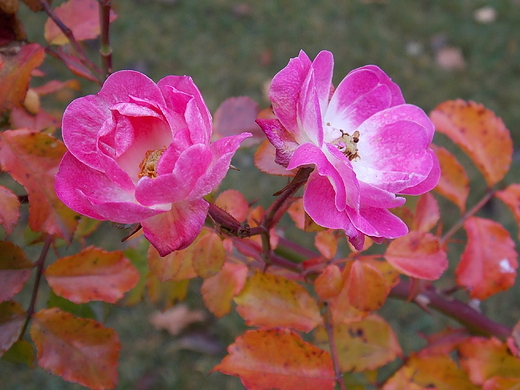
[434, 49]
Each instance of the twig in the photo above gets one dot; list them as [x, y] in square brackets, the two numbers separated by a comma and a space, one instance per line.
[332, 345]
[39, 271]
[105, 50]
[468, 214]
[473, 320]
[70, 36]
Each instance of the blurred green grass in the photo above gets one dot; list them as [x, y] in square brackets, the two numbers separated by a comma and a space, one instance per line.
[233, 48]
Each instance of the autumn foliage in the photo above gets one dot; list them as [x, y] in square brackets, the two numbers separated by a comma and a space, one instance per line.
[312, 306]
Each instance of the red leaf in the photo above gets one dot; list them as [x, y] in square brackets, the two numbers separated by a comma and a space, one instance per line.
[419, 255]
[55, 86]
[453, 184]
[511, 197]
[175, 266]
[32, 159]
[15, 74]
[279, 359]
[219, 290]
[15, 269]
[20, 117]
[81, 16]
[209, 255]
[75, 65]
[12, 318]
[78, 350]
[485, 358]
[479, 133]
[9, 209]
[234, 203]
[426, 213]
[236, 115]
[92, 275]
[265, 297]
[364, 345]
[489, 262]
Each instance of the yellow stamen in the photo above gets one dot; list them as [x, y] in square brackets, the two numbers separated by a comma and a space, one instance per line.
[149, 164]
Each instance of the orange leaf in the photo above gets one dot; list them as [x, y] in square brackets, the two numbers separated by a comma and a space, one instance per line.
[78, 350]
[219, 290]
[264, 160]
[453, 183]
[274, 301]
[279, 359]
[426, 213]
[236, 115]
[511, 197]
[329, 283]
[92, 275]
[485, 358]
[12, 318]
[498, 383]
[389, 273]
[32, 159]
[489, 262]
[419, 255]
[364, 345]
[9, 209]
[209, 255]
[81, 16]
[479, 133]
[15, 74]
[234, 203]
[327, 243]
[367, 289]
[427, 372]
[167, 294]
[175, 266]
[15, 269]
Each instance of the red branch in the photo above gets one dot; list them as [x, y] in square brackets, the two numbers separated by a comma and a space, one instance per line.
[472, 319]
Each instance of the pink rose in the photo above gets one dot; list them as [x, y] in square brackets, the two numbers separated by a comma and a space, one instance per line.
[140, 152]
[365, 144]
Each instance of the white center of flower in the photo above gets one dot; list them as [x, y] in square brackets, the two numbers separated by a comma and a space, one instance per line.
[149, 164]
[347, 144]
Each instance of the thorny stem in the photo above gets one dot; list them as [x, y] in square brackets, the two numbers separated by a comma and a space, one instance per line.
[70, 36]
[327, 318]
[39, 271]
[105, 49]
[472, 319]
[444, 239]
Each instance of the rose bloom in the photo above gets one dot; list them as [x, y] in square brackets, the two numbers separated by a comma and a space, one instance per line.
[365, 144]
[140, 152]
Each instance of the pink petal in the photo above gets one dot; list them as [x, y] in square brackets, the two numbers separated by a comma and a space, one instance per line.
[280, 138]
[92, 193]
[310, 127]
[430, 182]
[361, 94]
[222, 152]
[120, 86]
[285, 89]
[377, 222]
[194, 109]
[318, 203]
[178, 228]
[376, 197]
[176, 186]
[322, 68]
